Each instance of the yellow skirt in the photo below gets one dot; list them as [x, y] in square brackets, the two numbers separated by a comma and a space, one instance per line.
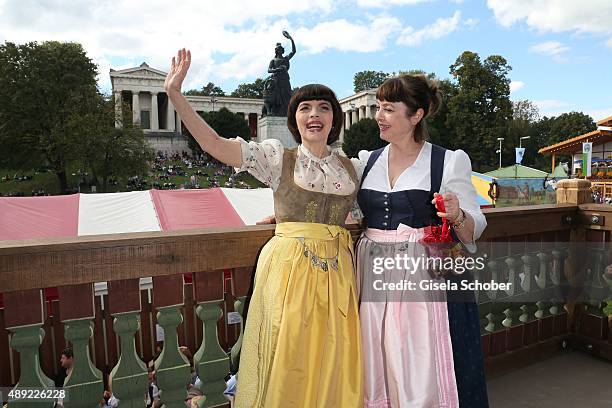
[302, 341]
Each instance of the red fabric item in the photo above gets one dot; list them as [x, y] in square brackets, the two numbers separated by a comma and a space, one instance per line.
[190, 209]
[436, 233]
[39, 217]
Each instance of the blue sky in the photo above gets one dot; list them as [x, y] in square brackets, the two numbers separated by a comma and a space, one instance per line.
[560, 50]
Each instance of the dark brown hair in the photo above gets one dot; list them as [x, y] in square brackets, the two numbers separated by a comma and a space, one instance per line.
[315, 92]
[416, 91]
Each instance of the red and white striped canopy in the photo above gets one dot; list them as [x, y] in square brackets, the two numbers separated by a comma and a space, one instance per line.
[137, 211]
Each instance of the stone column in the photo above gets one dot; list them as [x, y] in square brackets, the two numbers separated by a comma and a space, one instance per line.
[118, 110]
[136, 107]
[170, 121]
[179, 125]
[354, 117]
[347, 120]
[363, 112]
[154, 112]
[246, 117]
[369, 113]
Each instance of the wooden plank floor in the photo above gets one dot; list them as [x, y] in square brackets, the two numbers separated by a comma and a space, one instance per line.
[574, 379]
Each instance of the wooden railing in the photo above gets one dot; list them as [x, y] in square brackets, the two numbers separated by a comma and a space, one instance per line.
[74, 264]
[122, 323]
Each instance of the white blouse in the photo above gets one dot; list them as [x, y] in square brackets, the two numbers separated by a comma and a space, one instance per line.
[325, 175]
[456, 178]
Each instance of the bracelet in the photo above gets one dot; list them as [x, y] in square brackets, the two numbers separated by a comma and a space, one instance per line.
[460, 224]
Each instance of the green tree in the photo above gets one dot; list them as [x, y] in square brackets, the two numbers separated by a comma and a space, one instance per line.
[46, 88]
[438, 127]
[525, 116]
[363, 135]
[250, 90]
[481, 110]
[365, 80]
[209, 89]
[548, 131]
[108, 151]
[568, 125]
[225, 123]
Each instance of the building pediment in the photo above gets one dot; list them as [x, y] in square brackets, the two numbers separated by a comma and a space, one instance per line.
[143, 71]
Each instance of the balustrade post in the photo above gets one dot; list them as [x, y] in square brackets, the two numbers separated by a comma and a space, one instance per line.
[211, 361]
[84, 385]
[558, 281]
[24, 318]
[128, 379]
[172, 367]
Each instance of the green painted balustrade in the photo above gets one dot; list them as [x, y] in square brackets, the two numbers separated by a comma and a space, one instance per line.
[84, 386]
[128, 379]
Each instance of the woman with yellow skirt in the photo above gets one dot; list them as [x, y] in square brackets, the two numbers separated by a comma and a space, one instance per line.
[301, 345]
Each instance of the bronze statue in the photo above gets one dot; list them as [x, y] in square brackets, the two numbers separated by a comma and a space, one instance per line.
[277, 88]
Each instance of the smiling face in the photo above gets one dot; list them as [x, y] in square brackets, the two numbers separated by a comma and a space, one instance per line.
[395, 122]
[314, 120]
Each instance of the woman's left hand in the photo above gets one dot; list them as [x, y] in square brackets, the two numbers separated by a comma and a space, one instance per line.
[451, 204]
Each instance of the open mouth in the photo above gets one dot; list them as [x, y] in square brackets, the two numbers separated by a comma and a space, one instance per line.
[383, 127]
[314, 127]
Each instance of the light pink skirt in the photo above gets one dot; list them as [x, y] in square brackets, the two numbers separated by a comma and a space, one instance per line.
[408, 356]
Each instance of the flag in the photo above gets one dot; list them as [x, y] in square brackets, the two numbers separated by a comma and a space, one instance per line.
[520, 152]
[587, 149]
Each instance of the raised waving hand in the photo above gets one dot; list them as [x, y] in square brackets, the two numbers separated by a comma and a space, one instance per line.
[225, 150]
[178, 70]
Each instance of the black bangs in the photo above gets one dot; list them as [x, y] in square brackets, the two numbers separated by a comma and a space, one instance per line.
[313, 92]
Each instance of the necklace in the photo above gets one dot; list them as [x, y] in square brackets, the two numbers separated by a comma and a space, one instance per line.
[319, 261]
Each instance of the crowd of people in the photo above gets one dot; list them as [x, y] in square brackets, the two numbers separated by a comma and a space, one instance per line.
[167, 172]
[201, 171]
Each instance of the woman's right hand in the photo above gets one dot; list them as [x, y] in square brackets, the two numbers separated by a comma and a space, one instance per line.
[178, 71]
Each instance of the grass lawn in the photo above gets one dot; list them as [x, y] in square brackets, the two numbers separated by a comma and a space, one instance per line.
[49, 182]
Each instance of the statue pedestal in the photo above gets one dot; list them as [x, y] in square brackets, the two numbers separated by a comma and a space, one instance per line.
[275, 127]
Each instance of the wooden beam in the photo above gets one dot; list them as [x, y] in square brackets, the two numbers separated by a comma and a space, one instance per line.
[44, 263]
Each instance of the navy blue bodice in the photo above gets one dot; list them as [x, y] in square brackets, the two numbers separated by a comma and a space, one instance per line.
[409, 207]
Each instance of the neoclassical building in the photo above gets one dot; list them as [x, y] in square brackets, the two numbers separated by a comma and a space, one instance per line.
[358, 106]
[141, 90]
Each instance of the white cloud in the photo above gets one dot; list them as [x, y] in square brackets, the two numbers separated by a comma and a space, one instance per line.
[516, 85]
[591, 16]
[388, 3]
[550, 48]
[439, 28]
[609, 43]
[355, 37]
[133, 32]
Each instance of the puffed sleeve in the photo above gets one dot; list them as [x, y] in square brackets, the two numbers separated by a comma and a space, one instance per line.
[360, 164]
[263, 160]
[457, 179]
